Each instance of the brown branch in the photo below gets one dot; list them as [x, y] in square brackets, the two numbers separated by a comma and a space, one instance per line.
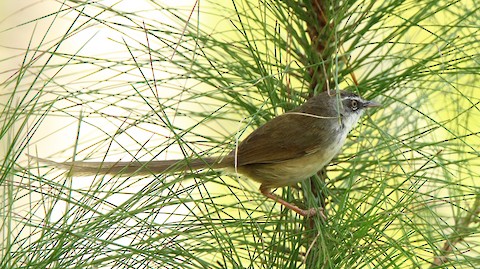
[320, 32]
[458, 235]
[320, 37]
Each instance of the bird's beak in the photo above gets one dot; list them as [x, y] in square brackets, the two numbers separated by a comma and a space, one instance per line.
[372, 104]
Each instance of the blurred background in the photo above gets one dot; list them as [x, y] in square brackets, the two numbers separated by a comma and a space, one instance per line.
[153, 80]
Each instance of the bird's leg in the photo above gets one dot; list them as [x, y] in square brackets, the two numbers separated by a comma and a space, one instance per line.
[306, 213]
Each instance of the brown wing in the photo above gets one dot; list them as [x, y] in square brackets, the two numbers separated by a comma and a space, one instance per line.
[285, 137]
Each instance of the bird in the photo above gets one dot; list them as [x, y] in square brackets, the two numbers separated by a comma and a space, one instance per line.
[286, 150]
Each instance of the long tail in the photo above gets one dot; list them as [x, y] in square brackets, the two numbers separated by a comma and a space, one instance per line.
[80, 168]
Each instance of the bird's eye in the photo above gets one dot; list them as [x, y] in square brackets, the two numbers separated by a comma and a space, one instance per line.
[354, 104]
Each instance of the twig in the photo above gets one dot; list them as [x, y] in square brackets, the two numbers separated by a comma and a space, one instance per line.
[458, 235]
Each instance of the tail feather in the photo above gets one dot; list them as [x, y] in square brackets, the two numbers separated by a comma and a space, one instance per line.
[80, 168]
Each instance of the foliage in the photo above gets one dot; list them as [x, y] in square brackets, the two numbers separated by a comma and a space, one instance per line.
[190, 82]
